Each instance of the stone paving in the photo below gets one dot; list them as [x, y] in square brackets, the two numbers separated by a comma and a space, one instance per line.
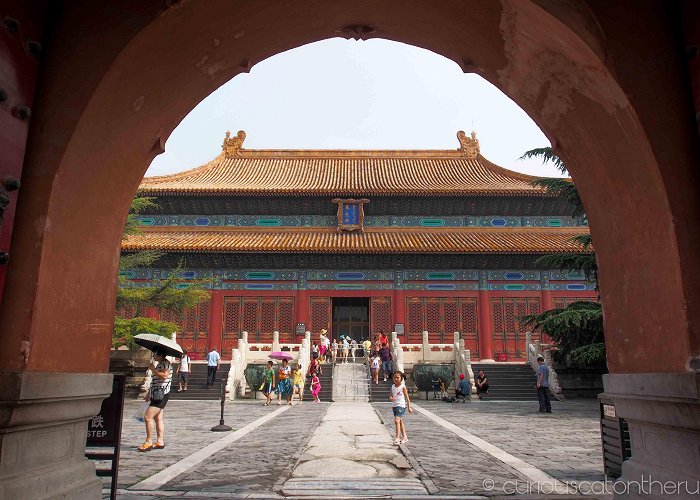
[453, 465]
[565, 445]
[256, 462]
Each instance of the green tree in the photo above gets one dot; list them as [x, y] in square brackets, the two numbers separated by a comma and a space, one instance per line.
[170, 294]
[577, 329]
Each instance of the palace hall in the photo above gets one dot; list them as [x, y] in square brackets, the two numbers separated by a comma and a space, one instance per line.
[356, 241]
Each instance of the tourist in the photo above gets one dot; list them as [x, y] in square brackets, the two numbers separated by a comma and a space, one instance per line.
[314, 366]
[315, 387]
[376, 361]
[367, 346]
[213, 359]
[327, 343]
[482, 384]
[346, 349]
[158, 395]
[298, 381]
[314, 350]
[334, 350]
[464, 389]
[543, 386]
[284, 383]
[183, 370]
[383, 339]
[400, 402]
[322, 346]
[353, 348]
[269, 383]
[387, 360]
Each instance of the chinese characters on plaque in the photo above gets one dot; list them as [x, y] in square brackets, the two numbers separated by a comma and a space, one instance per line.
[351, 214]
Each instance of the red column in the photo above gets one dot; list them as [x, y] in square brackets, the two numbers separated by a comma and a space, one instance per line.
[302, 307]
[547, 302]
[485, 330]
[399, 307]
[216, 317]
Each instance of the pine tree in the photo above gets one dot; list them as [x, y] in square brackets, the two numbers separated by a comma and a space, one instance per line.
[170, 294]
[577, 329]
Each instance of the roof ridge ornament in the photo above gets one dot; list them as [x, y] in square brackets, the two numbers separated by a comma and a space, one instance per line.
[469, 147]
[232, 146]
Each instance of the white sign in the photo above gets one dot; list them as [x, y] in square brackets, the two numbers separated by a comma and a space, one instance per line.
[609, 411]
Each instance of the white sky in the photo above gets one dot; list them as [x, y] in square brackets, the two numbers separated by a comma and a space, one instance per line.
[346, 94]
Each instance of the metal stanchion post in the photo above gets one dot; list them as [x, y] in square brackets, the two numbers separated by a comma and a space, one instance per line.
[222, 427]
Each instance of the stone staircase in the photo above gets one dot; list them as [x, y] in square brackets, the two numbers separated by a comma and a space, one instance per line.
[508, 381]
[326, 379]
[382, 487]
[379, 393]
[350, 382]
[197, 385]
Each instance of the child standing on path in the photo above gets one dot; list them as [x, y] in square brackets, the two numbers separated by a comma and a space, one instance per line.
[269, 383]
[315, 387]
[298, 381]
[399, 402]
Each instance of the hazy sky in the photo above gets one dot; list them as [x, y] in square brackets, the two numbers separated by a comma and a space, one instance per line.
[346, 94]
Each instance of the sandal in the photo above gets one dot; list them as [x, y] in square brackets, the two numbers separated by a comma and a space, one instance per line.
[159, 446]
[145, 447]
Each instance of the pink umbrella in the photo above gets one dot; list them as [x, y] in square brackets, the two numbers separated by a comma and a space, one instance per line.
[280, 355]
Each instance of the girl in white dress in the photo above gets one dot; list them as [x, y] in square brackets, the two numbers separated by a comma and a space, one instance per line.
[400, 402]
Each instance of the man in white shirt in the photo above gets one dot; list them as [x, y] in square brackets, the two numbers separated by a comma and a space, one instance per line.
[183, 371]
[212, 365]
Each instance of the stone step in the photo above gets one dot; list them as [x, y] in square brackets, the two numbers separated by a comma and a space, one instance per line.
[343, 487]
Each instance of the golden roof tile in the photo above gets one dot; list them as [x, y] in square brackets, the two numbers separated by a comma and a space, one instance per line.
[239, 171]
[372, 241]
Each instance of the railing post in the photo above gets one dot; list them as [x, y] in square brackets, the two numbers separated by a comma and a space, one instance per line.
[426, 346]
[222, 427]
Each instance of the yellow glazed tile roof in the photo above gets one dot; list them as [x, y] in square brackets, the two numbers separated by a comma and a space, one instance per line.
[372, 241]
[239, 171]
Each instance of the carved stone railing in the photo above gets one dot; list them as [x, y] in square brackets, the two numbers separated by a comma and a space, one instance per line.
[396, 352]
[537, 348]
[235, 383]
[463, 362]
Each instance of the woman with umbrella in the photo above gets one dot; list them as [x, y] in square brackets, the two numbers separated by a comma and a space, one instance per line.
[284, 384]
[158, 395]
[161, 380]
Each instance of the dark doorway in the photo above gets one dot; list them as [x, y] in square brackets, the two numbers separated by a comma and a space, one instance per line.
[351, 317]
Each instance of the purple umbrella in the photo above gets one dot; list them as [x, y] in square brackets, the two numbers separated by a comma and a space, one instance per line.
[280, 355]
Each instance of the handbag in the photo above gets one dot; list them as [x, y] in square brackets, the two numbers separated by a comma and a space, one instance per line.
[157, 394]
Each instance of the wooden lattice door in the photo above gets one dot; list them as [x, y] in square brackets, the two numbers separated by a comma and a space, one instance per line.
[260, 317]
[469, 329]
[232, 325]
[193, 326]
[380, 315]
[414, 326]
[508, 326]
[320, 315]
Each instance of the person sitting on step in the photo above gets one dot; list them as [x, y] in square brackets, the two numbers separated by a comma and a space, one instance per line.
[482, 384]
[464, 390]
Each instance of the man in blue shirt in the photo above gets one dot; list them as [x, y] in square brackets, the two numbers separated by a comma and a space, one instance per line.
[543, 386]
[212, 365]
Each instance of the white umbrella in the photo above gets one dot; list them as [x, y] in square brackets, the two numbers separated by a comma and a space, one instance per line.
[155, 343]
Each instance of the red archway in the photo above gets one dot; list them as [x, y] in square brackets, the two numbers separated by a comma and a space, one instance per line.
[108, 98]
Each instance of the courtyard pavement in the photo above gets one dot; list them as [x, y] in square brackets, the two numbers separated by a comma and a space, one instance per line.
[455, 450]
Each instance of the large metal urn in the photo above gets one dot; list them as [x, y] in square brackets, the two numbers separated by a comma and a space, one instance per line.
[425, 375]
